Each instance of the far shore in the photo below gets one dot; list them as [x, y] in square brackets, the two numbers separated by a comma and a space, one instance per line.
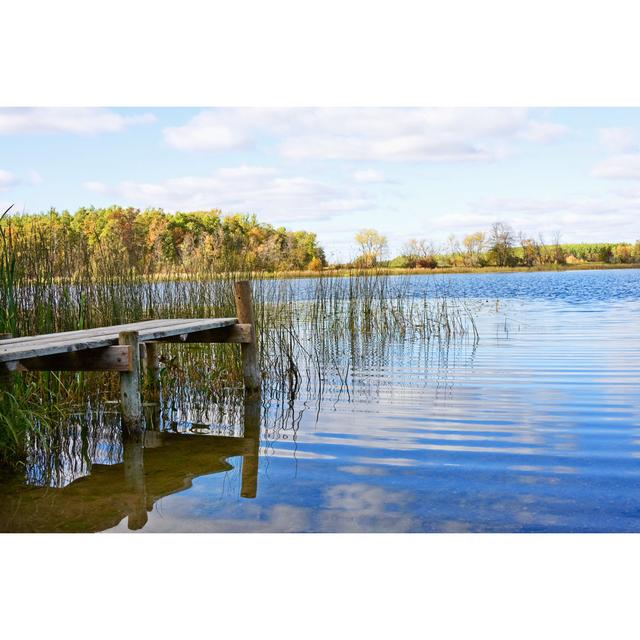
[390, 271]
[584, 266]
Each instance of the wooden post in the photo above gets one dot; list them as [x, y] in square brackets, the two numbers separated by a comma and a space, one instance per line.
[250, 460]
[244, 312]
[133, 467]
[5, 376]
[252, 405]
[130, 402]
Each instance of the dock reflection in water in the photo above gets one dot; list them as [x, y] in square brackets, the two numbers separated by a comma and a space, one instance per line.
[164, 464]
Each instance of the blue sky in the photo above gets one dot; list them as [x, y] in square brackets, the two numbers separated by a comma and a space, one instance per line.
[409, 173]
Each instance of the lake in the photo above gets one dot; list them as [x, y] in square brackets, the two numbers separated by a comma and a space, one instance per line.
[532, 427]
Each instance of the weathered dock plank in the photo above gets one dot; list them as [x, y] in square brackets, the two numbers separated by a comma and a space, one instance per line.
[39, 346]
[83, 333]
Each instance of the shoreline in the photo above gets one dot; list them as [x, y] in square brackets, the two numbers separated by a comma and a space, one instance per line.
[382, 271]
[390, 271]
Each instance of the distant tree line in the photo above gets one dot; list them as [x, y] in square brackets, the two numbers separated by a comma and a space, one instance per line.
[153, 241]
[500, 246]
[107, 240]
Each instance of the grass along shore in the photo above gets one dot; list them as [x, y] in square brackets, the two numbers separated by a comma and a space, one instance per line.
[397, 271]
[344, 272]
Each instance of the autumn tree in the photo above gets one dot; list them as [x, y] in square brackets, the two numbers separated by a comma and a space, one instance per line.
[474, 245]
[420, 253]
[454, 251]
[533, 252]
[623, 253]
[372, 246]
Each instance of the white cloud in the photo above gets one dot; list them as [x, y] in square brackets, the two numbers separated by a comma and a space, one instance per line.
[611, 217]
[617, 139]
[207, 132]
[226, 129]
[66, 120]
[621, 167]
[404, 148]
[543, 131]
[370, 176]
[407, 135]
[7, 180]
[244, 189]
[245, 171]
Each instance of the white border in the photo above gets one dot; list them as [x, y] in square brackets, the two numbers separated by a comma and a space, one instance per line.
[320, 586]
[141, 53]
[331, 53]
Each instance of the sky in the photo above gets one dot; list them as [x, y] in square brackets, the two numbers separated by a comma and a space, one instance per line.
[407, 172]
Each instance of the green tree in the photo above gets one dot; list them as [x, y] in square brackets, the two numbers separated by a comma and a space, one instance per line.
[501, 241]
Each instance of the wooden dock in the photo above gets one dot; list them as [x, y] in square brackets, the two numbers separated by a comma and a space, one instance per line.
[119, 348]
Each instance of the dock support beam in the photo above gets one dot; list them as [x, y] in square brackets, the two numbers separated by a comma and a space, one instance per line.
[244, 312]
[130, 401]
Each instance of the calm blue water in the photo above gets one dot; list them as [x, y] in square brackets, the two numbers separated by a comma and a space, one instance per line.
[568, 286]
[534, 428]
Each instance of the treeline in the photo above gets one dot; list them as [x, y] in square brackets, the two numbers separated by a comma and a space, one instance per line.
[153, 241]
[501, 246]
[103, 242]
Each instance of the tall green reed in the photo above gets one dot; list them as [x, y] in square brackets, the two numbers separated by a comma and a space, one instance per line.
[8, 311]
